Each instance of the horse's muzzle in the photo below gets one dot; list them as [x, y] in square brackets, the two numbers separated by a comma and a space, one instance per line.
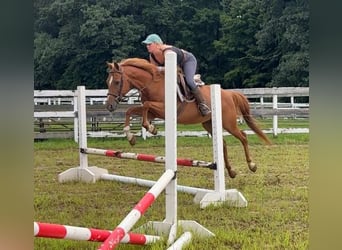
[111, 106]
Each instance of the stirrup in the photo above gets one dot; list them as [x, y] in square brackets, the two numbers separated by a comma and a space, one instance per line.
[204, 109]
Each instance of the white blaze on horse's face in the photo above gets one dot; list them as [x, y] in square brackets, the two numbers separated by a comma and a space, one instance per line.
[110, 80]
[112, 96]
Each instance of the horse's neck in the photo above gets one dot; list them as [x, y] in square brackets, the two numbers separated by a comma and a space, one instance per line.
[152, 90]
[149, 88]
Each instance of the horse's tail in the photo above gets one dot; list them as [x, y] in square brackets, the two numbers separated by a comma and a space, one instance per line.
[242, 104]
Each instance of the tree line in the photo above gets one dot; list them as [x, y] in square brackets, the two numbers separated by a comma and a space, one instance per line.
[237, 43]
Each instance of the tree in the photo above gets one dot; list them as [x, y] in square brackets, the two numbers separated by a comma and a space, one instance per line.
[83, 37]
[240, 21]
[238, 43]
[284, 41]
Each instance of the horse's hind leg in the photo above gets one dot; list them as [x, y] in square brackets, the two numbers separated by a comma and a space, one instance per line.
[251, 165]
[208, 127]
[231, 172]
[239, 134]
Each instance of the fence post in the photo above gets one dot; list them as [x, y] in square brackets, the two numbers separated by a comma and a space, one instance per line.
[76, 135]
[275, 117]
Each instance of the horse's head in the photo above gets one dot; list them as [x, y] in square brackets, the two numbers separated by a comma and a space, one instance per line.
[115, 83]
[128, 74]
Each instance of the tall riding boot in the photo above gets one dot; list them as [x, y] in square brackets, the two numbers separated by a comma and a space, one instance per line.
[203, 107]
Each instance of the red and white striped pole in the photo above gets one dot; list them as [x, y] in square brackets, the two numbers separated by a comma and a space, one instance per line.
[128, 222]
[146, 157]
[57, 231]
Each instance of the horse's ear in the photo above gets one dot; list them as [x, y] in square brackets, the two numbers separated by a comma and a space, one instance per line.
[116, 65]
[108, 64]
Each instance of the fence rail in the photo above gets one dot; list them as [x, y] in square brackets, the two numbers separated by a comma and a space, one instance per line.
[55, 110]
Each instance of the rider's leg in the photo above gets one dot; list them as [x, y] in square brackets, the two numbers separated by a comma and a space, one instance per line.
[202, 105]
[189, 69]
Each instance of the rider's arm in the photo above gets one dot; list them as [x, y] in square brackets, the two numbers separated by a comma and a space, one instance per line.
[160, 68]
[152, 60]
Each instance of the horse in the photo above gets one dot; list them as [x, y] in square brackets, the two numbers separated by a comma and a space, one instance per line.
[140, 74]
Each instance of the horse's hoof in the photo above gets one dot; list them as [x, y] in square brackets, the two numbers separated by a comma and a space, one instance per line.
[153, 130]
[132, 141]
[252, 166]
[232, 174]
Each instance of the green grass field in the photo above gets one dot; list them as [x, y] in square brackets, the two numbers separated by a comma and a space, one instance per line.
[276, 216]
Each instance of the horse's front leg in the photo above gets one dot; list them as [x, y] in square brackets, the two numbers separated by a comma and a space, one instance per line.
[150, 111]
[127, 128]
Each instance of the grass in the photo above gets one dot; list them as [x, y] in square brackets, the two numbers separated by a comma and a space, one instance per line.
[276, 216]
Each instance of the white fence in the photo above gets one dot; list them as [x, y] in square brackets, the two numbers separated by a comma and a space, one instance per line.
[66, 97]
[59, 104]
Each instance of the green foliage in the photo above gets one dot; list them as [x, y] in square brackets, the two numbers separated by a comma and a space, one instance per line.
[284, 39]
[238, 43]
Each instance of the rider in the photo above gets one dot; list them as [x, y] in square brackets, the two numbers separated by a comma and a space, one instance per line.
[185, 60]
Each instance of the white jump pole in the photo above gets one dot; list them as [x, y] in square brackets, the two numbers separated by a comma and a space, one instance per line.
[171, 141]
[215, 91]
[232, 196]
[170, 221]
[150, 183]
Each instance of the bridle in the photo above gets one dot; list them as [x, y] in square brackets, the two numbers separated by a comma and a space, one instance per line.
[118, 97]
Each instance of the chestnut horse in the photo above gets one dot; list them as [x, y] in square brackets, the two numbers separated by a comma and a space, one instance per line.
[136, 73]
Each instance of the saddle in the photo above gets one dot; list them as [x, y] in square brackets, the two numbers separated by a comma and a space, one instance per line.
[183, 91]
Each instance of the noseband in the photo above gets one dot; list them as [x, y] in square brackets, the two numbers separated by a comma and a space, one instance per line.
[117, 98]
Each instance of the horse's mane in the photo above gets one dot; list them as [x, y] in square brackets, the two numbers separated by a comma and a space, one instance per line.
[140, 63]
